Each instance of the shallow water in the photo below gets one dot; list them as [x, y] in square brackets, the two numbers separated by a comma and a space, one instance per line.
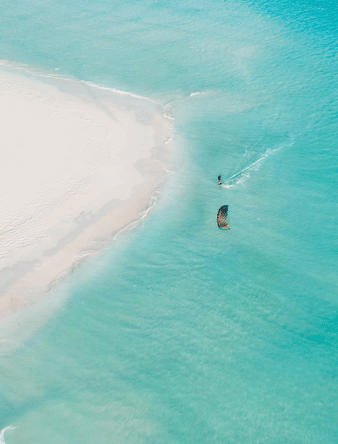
[179, 332]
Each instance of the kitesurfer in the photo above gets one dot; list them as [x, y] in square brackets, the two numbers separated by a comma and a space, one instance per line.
[219, 180]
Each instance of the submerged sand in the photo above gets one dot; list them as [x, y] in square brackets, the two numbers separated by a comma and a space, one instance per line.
[78, 163]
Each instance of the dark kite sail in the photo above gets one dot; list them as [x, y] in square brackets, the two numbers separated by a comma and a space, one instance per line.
[222, 218]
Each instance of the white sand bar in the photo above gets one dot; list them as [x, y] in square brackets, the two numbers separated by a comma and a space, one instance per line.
[77, 163]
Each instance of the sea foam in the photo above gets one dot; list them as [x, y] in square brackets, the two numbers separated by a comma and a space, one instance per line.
[2, 433]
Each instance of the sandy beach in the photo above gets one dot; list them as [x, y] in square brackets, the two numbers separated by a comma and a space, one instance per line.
[78, 163]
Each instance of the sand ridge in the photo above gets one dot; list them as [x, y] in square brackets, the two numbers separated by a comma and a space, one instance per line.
[78, 162]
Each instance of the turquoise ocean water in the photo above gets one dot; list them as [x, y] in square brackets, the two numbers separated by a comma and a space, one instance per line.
[178, 332]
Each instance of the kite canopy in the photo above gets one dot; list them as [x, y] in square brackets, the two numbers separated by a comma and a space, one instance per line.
[222, 218]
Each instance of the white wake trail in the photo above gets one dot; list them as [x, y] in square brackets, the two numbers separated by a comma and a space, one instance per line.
[244, 174]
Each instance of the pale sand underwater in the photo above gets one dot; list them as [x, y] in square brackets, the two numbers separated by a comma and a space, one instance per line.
[78, 163]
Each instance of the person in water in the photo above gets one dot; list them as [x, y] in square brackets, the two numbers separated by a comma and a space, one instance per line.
[219, 180]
